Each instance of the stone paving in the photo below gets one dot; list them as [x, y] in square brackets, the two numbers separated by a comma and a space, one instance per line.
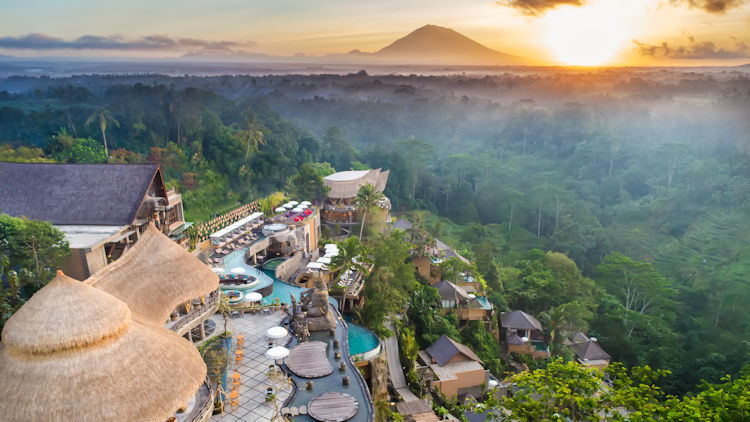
[253, 369]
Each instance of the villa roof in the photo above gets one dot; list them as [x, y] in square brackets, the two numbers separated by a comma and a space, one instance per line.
[402, 224]
[345, 184]
[514, 339]
[155, 276]
[520, 320]
[450, 291]
[76, 194]
[589, 350]
[445, 348]
[73, 352]
[415, 407]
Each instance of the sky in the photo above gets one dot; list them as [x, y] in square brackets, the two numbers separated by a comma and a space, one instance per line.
[575, 32]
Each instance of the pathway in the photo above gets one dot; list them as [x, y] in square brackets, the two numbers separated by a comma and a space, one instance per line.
[253, 406]
[395, 368]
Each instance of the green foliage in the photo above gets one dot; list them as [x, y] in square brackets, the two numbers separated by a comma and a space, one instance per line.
[367, 198]
[426, 314]
[307, 184]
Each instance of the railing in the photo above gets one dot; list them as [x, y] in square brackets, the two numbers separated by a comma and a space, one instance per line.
[204, 229]
[340, 208]
[191, 316]
[208, 408]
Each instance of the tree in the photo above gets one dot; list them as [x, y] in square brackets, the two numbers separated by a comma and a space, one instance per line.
[34, 248]
[352, 256]
[367, 199]
[102, 117]
[307, 184]
[251, 134]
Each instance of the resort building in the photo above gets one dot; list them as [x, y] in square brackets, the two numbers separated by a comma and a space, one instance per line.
[339, 208]
[452, 368]
[587, 351]
[101, 208]
[74, 352]
[417, 411]
[524, 334]
[163, 283]
[468, 306]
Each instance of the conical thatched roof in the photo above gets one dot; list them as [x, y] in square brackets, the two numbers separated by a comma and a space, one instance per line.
[73, 353]
[155, 276]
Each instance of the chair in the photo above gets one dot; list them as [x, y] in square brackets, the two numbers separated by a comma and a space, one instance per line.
[238, 356]
[240, 341]
[234, 399]
[235, 379]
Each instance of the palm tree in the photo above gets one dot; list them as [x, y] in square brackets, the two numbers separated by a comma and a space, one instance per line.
[251, 134]
[102, 116]
[367, 198]
[353, 255]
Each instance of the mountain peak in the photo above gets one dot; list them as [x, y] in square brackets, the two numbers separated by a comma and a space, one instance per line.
[435, 44]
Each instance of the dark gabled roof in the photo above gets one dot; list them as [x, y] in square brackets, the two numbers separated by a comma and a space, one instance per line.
[450, 291]
[579, 337]
[402, 224]
[520, 320]
[75, 194]
[445, 348]
[408, 408]
[514, 339]
[589, 350]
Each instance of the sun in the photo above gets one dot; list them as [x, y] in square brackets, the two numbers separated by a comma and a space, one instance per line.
[585, 36]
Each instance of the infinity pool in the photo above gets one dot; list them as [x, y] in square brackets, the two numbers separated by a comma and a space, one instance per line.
[361, 339]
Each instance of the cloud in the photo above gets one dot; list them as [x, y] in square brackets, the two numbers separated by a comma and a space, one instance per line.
[115, 42]
[711, 6]
[537, 7]
[695, 50]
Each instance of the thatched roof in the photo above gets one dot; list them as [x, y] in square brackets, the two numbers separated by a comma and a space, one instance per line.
[155, 276]
[520, 320]
[76, 194]
[346, 184]
[73, 353]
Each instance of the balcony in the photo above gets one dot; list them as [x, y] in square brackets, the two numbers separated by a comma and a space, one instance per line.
[196, 316]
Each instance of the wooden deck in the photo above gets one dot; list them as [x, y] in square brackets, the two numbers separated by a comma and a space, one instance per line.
[309, 360]
[332, 407]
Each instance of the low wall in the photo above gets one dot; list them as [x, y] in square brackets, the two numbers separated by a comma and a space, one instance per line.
[287, 268]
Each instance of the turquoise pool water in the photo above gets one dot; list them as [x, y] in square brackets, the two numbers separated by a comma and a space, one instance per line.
[361, 339]
[236, 259]
[281, 290]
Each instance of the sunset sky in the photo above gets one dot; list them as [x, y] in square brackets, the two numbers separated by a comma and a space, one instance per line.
[617, 32]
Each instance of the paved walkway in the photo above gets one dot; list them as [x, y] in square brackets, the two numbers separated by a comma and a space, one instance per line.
[254, 381]
[395, 368]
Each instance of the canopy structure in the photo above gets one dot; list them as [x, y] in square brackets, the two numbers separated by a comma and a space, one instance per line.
[306, 203]
[155, 276]
[324, 260]
[280, 209]
[253, 297]
[288, 206]
[277, 352]
[303, 206]
[252, 218]
[297, 209]
[237, 270]
[316, 266]
[73, 352]
[293, 203]
[276, 332]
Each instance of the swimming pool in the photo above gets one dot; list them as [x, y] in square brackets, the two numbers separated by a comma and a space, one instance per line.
[236, 259]
[281, 290]
[361, 339]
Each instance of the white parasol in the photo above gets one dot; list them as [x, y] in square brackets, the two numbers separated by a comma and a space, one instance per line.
[278, 352]
[237, 270]
[253, 297]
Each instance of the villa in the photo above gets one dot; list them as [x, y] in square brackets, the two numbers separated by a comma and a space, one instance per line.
[340, 207]
[468, 306]
[452, 368]
[101, 208]
[524, 334]
[587, 351]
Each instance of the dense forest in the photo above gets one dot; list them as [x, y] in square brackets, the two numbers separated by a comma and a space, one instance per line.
[612, 202]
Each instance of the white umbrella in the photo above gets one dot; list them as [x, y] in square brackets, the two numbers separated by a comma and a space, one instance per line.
[303, 206]
[330, 254]
[278, 352]
[308, 203]
[288, 206]
[324, 260]
[254, 297]
[293, 202]
[297, 210]
[280, 209]
[238, 270]
[276, 332]
[218, 270]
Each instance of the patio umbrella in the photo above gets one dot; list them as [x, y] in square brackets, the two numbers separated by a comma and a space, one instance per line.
[288, 206]
[254, 297]
[277, 352]
[324, 260]
[308, 203]
[293, 202]
[297, 210]
[218, 270]
[280, 209]
[303, 206]
[238, 270]
[276, 332]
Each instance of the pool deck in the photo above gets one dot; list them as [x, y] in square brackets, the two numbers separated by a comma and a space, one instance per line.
[254, 381]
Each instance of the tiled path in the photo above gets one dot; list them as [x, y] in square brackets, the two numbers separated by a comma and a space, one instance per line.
[253, 406]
